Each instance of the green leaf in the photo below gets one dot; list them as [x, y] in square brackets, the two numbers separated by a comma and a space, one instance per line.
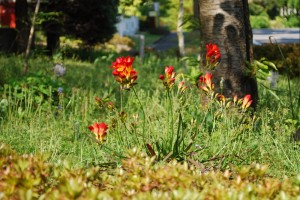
[270, 64]
[261, 65]
[271, 92]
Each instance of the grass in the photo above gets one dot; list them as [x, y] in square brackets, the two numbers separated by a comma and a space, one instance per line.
[36, 119]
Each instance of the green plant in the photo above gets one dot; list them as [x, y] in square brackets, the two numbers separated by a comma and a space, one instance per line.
[215, 143]
[260, 21]
[255, 9]
[291, 64]
[292, 21]
[174, 143]
[32, 177]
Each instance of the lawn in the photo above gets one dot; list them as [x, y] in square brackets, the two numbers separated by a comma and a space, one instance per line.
[209, 145]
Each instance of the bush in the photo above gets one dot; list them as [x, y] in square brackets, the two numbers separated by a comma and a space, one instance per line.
[140, 177]
[277, 23]
[292, 21]
[10, 68]
[290, 51]
[261, 21]
[255, 9]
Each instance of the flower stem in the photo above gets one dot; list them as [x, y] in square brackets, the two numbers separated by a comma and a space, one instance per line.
[170, 116]
[121, 99]
[288, 77]
[144, 114]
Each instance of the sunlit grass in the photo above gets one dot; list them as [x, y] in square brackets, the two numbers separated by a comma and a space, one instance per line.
[57, 125]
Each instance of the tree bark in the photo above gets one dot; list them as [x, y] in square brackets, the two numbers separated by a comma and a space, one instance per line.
[226, 23]
[180, 35]
[27, 52]
[196, 8]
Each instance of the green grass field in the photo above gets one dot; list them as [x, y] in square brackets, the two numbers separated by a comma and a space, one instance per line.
[37, 119]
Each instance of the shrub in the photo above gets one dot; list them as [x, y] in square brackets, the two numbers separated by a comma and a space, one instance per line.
[31, 177]
[290, 51]
[292, 21]
[255, 9]
[10, 68]
[260, 21]
[277, 23]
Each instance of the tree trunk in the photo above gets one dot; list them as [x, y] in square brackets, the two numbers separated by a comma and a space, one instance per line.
[53, 27]
[180, 35]
[26, 58]
[226, 23]
[196, 8]
[52, 39]
[22, 25]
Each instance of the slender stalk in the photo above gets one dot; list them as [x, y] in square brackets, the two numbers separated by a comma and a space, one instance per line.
[104, 146]
[121, 98]
[144, 114]
[288, 76]
[170, 115]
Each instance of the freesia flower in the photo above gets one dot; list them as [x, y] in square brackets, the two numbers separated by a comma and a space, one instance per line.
[169, 77]
[169, 71]
[246, 102]
[110, 105]
[222, 99]
[213, 54]
[99, 129]
[206, 82]
[181, 86]
[235, 99]
[124, 72]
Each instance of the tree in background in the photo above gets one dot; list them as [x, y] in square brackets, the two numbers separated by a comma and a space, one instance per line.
[131, 7]
[283, 13]
[180, 35]
[52, 24]
[22, 25]
[92, 21]
[169, 12]
[227, 24]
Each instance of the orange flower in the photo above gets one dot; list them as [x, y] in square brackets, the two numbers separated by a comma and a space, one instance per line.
[235, 99]
[207, 80]
[246, 102]
[213, 54]
[222, 99]
[99, 129]
[169, 78]
[124, 72]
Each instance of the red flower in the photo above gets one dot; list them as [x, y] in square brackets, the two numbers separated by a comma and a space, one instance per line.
[207, 81]
[169, 78]
[124, 72]
[169, 71]
[247, 102]
[213, 54]
[99, 130]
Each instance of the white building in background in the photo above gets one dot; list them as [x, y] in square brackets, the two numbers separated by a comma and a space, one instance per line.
[128, 26]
